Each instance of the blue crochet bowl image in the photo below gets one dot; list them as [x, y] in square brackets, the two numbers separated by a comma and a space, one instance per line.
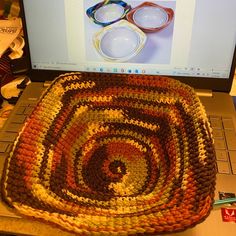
[108, 12]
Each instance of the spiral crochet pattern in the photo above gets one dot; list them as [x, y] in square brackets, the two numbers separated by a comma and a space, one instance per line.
[114, 155]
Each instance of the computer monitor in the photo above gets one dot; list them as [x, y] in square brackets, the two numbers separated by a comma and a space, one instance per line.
[196, 43]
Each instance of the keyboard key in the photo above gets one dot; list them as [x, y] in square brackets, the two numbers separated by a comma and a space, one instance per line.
[20, 110]
[218, 133]
[14, 127]
[216, 122]
[223, 167]
[33, 99]
[219, 143]
[28, 110]
[3, 147]
[230, 137]
[19, 119]
[233, 167]
[232, 156]
[24, 104]
[33, 104]
[221, 155]
[228, 123]
[8, 137]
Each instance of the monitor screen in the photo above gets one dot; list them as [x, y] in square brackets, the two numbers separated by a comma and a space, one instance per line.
[172, 37]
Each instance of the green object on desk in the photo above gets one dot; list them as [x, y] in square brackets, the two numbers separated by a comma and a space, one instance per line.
[225, 201]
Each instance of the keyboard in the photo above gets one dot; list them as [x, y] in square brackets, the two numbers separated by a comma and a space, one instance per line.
[8, 135]
[224, 135]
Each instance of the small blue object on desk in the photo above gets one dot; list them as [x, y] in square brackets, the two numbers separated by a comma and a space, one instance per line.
[225, 201]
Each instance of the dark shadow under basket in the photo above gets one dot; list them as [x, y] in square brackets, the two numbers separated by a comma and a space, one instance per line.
[114, 154]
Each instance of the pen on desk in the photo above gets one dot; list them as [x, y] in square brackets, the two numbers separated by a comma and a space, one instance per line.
[224, 201]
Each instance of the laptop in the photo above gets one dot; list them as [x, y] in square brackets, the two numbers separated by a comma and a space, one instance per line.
[197, 47]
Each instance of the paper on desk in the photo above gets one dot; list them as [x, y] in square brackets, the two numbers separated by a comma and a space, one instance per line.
[9, 30]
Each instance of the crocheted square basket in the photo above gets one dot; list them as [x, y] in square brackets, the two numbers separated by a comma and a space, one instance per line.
[114, 155]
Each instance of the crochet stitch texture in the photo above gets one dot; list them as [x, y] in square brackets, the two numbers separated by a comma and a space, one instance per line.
[114, 155]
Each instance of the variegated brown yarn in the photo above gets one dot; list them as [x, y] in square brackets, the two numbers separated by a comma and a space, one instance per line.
[114, 155]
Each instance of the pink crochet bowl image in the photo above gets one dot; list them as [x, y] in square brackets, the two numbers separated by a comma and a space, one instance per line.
[150, 17]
